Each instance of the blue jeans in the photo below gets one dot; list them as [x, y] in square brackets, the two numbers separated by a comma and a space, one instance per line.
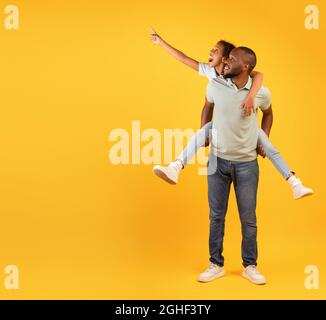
[244, 175]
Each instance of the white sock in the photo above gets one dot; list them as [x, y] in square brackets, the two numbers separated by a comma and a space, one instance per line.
[292, 181]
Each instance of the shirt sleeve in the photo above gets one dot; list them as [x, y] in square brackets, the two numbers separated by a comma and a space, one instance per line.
[209, 95]
[265, 98]
[205, 70]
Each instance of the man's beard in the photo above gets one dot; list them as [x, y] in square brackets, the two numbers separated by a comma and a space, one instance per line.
[229, 75]
[235, 72]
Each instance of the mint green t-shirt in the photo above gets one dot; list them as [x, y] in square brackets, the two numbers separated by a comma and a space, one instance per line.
[234, 137]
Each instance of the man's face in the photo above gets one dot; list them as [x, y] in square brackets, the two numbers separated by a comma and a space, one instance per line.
[215, 56]
[233, 65]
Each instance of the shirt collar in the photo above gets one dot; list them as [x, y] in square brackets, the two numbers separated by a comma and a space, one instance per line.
[247, 85]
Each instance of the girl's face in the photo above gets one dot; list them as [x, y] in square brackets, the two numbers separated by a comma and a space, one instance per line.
[215, 56]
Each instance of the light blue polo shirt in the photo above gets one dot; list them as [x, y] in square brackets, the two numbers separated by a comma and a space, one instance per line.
[234, 137]
[205, 70]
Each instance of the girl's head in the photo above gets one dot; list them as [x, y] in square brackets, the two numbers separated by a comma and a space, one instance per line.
[219, 53]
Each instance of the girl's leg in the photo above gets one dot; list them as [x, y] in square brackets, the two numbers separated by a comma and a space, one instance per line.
[273, 155]
[171, 173]
[299, 190]
[197, 141]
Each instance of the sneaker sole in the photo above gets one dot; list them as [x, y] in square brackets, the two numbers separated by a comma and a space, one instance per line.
[304, 196]
[253, 281]
[163, 176]
[219, 275]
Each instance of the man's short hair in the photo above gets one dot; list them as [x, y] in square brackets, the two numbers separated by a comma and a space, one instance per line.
[250, 57]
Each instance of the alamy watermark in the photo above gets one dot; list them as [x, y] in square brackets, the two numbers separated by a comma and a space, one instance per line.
[311, 21]
[11, 21]
[150, 146]
[11, 281]
[311, 281]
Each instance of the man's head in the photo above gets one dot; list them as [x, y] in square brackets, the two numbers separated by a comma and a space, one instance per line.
[241, 60]
[219, 53]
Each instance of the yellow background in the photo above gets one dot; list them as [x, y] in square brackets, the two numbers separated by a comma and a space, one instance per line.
[80, 227]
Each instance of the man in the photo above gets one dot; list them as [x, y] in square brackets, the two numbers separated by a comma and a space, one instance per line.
[233, 159]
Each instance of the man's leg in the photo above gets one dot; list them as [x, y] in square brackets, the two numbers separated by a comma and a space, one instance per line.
[219, 181]
[245, 178]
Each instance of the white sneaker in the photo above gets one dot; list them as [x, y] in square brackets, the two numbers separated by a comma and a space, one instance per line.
[212, 272]
[252, 274]
[299, 190]
[171, 173]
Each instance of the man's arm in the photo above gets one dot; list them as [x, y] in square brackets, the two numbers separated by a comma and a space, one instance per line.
[207, 115]
[266, 125]
[207, 112]
[267, 120]
[180, 56]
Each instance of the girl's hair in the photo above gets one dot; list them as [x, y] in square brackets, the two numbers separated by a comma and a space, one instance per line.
[227, 47]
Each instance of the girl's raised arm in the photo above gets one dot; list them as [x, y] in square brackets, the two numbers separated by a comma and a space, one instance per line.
[180, 56]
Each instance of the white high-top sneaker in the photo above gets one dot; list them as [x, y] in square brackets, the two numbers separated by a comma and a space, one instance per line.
[212, 272]
[252, 274]
[171, 173]
[299, 190]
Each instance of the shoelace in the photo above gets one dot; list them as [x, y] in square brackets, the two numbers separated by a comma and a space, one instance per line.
[211, 266]
[253, 270]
